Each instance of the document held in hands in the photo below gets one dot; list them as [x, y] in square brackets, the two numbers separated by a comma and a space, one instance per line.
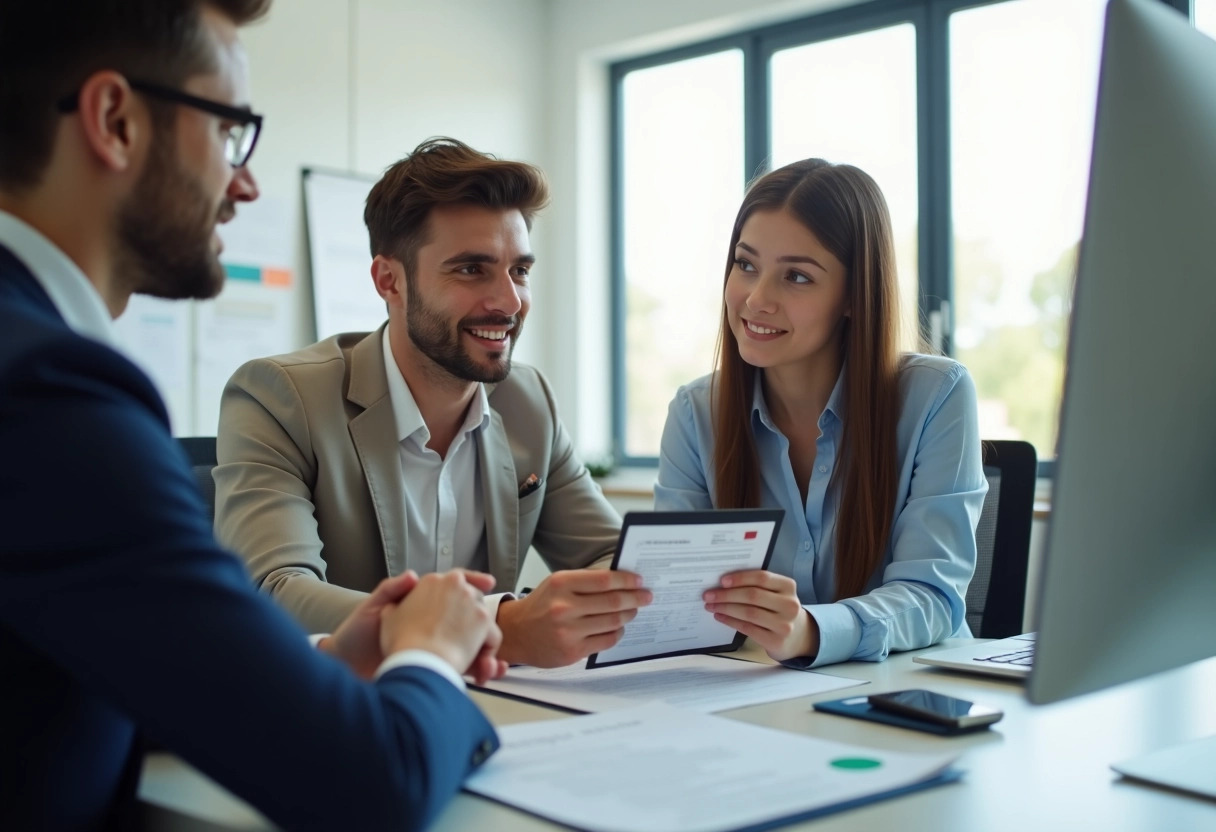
[680, 555]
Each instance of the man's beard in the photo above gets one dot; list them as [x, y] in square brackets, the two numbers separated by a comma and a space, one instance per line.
[164, 231]
[430, 333]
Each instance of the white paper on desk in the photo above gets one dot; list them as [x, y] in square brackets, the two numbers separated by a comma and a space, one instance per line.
[655, 768]
[678, 563]
[699, 682]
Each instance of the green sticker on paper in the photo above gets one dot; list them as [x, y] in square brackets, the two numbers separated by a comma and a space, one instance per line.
[856, 763]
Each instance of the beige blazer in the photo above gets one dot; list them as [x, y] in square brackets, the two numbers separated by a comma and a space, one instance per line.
[309, 481]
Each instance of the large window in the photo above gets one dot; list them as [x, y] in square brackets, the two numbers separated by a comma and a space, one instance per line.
[815, 88]
[682, 158]
[974, 117]
[1205, 16]
[1018, 186]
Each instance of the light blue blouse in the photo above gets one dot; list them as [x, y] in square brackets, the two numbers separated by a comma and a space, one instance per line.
[917, 597]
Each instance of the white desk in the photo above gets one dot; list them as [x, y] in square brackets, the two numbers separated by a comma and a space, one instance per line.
[1038, 770]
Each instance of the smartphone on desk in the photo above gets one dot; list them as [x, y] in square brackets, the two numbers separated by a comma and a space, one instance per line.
[937, 708]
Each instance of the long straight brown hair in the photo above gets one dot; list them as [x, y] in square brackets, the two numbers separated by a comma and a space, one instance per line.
[844, 208]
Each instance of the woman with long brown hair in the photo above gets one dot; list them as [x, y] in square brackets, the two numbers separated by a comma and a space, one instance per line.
[874, 455]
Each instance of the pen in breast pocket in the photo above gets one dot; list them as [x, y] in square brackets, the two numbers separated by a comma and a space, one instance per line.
[529, 485]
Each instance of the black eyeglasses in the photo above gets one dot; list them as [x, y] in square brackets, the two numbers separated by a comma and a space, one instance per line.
[241, 138]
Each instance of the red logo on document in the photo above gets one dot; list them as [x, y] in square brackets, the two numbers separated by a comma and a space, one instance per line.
[750, 535]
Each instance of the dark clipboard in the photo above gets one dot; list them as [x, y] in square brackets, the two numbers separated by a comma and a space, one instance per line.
[688, 518]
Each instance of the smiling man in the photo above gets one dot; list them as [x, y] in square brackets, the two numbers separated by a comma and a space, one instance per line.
[419, 446]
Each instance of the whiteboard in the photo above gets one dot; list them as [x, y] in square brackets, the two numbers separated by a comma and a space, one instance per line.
[344, 299]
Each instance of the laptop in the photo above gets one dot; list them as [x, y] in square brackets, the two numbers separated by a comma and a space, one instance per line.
[1009, 657]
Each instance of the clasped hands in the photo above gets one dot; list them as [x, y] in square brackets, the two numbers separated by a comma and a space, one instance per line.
[570, 615]
[441, 613]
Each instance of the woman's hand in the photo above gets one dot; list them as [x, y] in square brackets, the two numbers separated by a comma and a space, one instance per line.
[764, 606]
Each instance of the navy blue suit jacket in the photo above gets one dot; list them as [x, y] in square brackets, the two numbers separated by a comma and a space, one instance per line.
[120, 616]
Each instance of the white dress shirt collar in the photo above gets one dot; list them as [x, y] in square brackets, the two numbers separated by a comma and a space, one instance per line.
[406, 414]
[75, 298]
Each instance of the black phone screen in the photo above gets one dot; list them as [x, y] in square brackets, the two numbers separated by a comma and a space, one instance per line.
[935, 707]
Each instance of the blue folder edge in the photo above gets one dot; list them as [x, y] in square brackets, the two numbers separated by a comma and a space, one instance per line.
[950, 775]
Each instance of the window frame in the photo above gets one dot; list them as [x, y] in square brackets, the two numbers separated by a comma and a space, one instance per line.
[931, 19]
[617, 302]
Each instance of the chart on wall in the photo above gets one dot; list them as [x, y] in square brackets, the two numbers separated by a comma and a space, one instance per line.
[190, 349]
[254, 316]
[344, 299]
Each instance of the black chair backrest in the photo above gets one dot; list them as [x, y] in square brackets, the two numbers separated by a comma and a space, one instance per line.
[996, 598]
[201, 452]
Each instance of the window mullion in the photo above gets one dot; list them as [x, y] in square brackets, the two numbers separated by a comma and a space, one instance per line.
[936, 258]
[757, 101]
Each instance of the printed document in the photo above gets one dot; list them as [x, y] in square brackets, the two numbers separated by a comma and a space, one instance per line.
[699, 682]
[655, 768]
[680, 555]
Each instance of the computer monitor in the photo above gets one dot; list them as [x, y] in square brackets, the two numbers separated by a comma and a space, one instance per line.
[1128, 586]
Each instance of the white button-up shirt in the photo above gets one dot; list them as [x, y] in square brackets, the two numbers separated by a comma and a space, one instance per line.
[444, 517]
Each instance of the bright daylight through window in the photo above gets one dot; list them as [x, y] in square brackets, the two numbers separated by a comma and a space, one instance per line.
[1015, 94]
[878, 67]
[1205, 16]
[683, 164]
[1023, 82]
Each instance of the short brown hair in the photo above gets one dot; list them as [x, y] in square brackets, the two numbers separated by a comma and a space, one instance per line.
[49, 48]
[443, 171]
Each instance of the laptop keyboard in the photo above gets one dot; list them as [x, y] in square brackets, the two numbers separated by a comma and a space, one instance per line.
[1023, 657]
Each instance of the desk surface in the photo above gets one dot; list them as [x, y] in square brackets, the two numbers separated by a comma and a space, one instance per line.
[1041, 768]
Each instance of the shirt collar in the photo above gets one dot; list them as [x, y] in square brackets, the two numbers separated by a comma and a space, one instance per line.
[833, 410]
[74, 297]
[405, 409]
[835, 405]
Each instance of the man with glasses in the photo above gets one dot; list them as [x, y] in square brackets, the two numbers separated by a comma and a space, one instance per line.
[241, 125]
[120, 618]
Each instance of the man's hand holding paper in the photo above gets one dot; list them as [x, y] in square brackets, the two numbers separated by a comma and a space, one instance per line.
[571, 614]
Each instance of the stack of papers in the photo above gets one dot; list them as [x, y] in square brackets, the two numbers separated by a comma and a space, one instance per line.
[655, 768]
[704, 683]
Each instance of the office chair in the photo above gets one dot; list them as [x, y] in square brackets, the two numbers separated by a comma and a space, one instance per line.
[201, 452]
[996, 597]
